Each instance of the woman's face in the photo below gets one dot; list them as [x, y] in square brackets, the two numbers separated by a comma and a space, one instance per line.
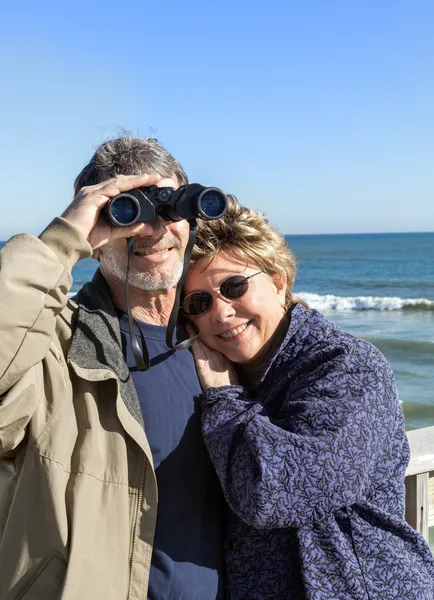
[242, 329]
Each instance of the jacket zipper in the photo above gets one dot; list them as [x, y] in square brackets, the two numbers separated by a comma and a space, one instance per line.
[136, 525]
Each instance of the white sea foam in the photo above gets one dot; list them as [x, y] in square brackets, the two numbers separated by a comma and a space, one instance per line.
[344, 304]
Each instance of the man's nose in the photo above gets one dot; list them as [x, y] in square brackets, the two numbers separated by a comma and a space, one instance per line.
[221, 309]
[154, 229]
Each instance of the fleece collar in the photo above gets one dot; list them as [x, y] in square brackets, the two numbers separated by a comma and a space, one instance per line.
[96, 342]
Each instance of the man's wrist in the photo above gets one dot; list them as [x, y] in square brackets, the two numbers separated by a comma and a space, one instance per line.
[66, 241]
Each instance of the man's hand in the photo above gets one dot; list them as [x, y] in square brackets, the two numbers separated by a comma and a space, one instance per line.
[84, 211]
[213, 369]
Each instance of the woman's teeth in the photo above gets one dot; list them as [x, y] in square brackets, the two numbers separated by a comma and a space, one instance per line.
[234, 332]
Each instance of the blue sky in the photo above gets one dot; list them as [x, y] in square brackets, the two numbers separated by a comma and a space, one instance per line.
[318, 112]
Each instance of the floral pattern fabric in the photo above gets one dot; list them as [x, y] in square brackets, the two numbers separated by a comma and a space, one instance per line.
[312, 464]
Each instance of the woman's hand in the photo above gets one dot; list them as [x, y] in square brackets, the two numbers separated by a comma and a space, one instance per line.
[213, 369]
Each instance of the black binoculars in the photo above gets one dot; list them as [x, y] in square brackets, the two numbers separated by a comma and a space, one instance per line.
[141, 205]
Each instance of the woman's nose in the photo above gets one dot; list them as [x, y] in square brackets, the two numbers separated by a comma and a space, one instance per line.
[222, 309]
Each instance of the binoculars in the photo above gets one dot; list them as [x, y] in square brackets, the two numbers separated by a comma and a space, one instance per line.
[141, 205]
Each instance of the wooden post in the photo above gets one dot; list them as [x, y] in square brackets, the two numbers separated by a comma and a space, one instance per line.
[431, 499]
[419, 483]
[417, 505]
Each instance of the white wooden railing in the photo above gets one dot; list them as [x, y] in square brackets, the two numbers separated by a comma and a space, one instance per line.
[419, 481]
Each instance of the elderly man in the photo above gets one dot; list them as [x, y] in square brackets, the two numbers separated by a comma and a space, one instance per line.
[90, 438]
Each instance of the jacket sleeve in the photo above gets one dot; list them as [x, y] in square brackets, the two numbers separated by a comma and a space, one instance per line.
[35, 277]
[315, 456]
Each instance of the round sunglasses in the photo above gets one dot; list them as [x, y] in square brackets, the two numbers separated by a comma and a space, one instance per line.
[232, 288]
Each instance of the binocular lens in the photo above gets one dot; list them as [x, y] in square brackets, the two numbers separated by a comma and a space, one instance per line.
[125, 210]
[212, 204]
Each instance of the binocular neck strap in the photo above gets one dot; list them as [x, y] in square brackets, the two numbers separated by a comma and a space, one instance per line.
[175, 310]
[140, 356]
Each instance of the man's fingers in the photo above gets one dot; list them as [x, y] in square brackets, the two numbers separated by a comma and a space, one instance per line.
[124, 183]
[102, 192]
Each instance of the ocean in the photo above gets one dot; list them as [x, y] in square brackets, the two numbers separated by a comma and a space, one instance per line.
[379, 287]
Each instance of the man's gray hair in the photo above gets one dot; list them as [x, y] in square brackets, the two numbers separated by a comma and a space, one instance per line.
[129, 155]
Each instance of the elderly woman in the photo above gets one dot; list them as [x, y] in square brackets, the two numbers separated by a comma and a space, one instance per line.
[304, 428]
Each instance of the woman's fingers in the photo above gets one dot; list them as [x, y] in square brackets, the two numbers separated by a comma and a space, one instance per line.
[213, 369]
[199, 351]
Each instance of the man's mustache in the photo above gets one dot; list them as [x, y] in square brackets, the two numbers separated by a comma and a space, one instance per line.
[162, 245]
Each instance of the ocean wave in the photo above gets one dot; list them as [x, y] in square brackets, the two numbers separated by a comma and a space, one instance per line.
[344, 304]
[418, 415]
[420, 352]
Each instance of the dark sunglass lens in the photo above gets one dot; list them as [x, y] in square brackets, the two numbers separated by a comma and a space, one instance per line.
[198, 303]
[234, 287]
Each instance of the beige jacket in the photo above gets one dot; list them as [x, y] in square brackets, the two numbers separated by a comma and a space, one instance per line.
[80, 522]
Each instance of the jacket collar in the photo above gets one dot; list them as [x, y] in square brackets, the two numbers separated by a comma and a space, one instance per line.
[96, 343]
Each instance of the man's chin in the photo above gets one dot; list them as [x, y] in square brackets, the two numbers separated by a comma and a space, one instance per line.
[145, 274]
[152, 285]
[155, 279]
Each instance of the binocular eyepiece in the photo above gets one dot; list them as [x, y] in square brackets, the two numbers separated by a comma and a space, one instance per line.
[141, 205]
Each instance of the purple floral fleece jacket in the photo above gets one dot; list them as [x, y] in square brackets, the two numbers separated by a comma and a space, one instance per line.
[312, 463]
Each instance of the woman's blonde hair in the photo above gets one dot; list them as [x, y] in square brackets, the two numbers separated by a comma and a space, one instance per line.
[248, 237]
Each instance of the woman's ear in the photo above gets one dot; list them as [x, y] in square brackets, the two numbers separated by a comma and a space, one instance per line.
[279, 280]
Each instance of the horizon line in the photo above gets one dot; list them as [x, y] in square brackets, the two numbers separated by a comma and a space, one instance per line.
[360, 233]
[309, 234]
